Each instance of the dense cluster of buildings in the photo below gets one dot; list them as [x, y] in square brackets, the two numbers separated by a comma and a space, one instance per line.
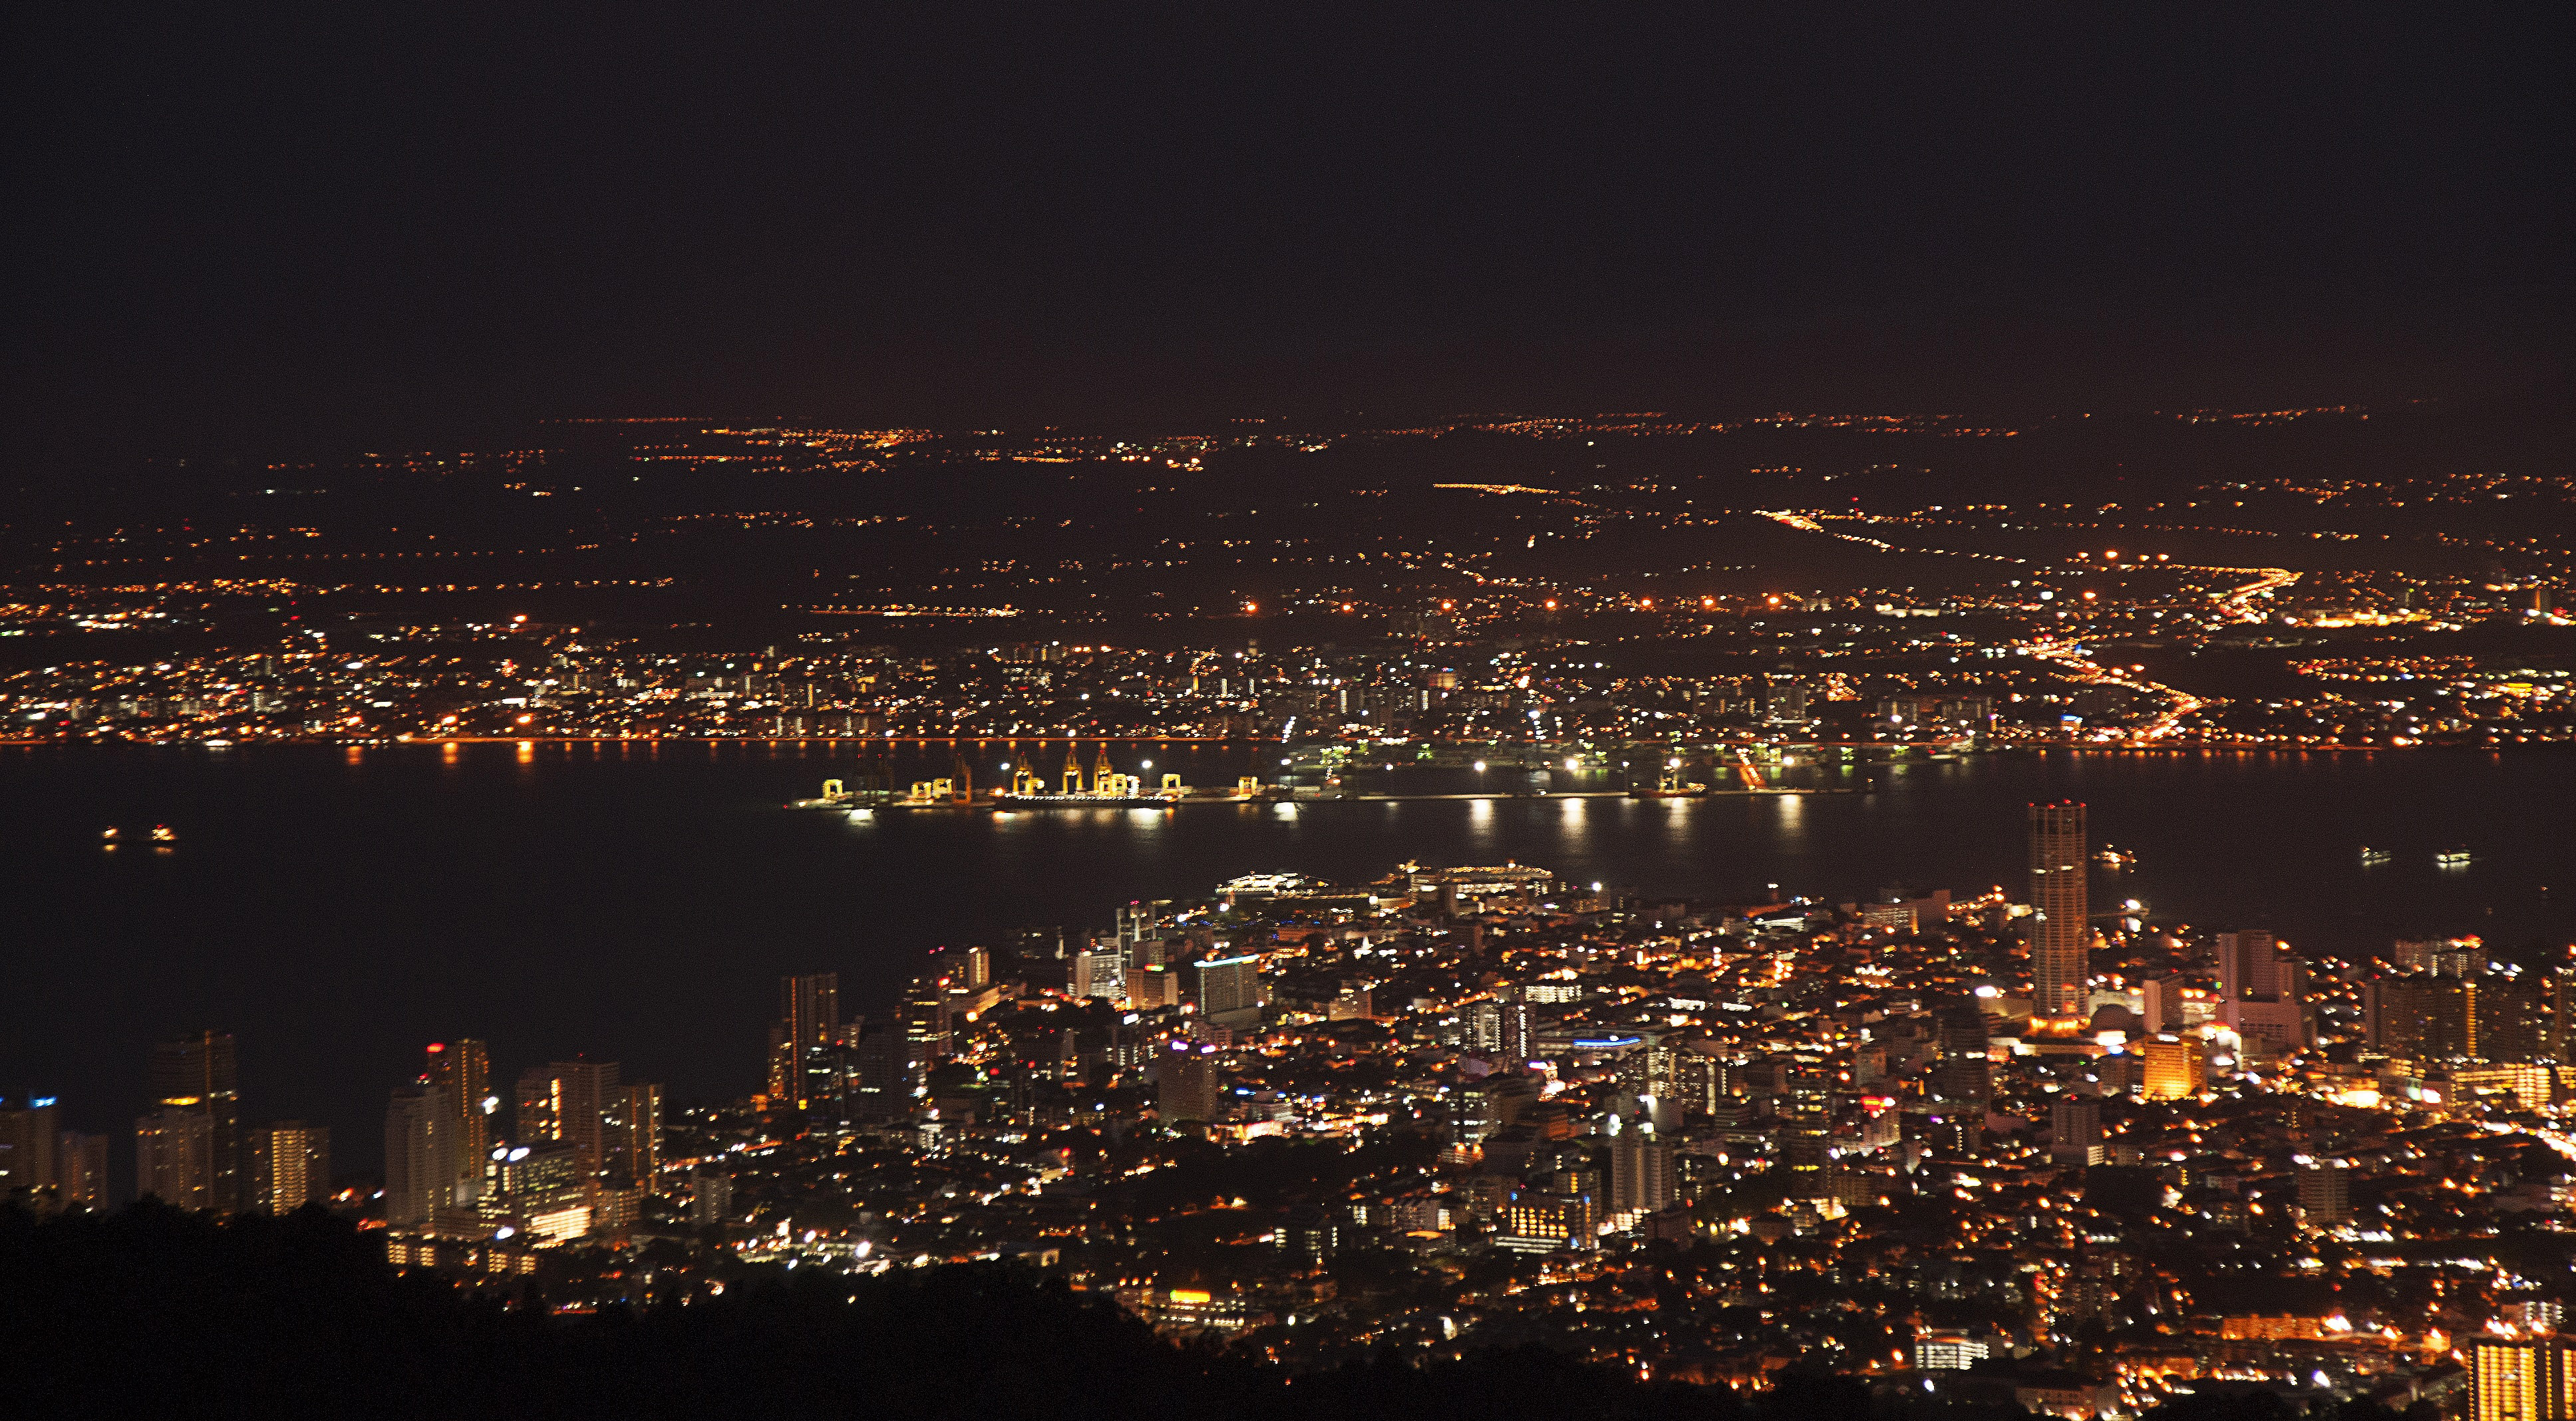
[1997, 1146]
[525, 681]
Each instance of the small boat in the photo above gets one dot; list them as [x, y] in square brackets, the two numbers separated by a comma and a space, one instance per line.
[110, 834]
[163, 834]
[2372, 858]
[2110, 857]
[2452, 858]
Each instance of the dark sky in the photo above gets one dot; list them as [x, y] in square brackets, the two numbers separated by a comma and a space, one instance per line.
[243, 222]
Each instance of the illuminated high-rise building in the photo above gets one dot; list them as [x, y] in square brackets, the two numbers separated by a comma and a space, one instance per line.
[635, 1134]
[809, 1012]
[1517, 1027]
[1186, 1087]
[2490, 1015]
[2260, 985]
[586, 1096]
[1099, 970]
[29, 1146]
[80, 1163]
[2325, 1194]
[1641, 1169]
[710, 1197]
[975, 968]
[536, 1108]
[2061, 929]
[926, 1029]
[2251, 964]
[174, 1157]
[2176, 1067]
[420, 1155]
[463, 1067]
[2523, 1381]
[1230, 990]
[290, 1166]
[200, 1073]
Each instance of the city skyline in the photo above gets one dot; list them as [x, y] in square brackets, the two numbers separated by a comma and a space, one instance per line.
[1856, 714]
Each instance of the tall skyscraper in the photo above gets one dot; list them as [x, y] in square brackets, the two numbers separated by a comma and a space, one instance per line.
[925, 1028]
[635, 1134]
[782, 1065]
[1641, 1169]
[174, 1157]
[809, 1011]
[2250, 964]
[1230, 990]
[975, 968]
[420, 1154]
[200, 1073]
[81, 1165]
[536, 1108]
[1187, 1084]
[587, 1092]
[2523, 1381]
[290, 1166]
[463, 1067]
[29, 1142]
[2061, 929]
[1518, 1029]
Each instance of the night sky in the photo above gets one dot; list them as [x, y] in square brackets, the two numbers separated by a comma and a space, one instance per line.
[249, 224]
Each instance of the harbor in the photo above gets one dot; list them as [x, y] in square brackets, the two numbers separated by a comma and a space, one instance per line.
[1326, 776]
